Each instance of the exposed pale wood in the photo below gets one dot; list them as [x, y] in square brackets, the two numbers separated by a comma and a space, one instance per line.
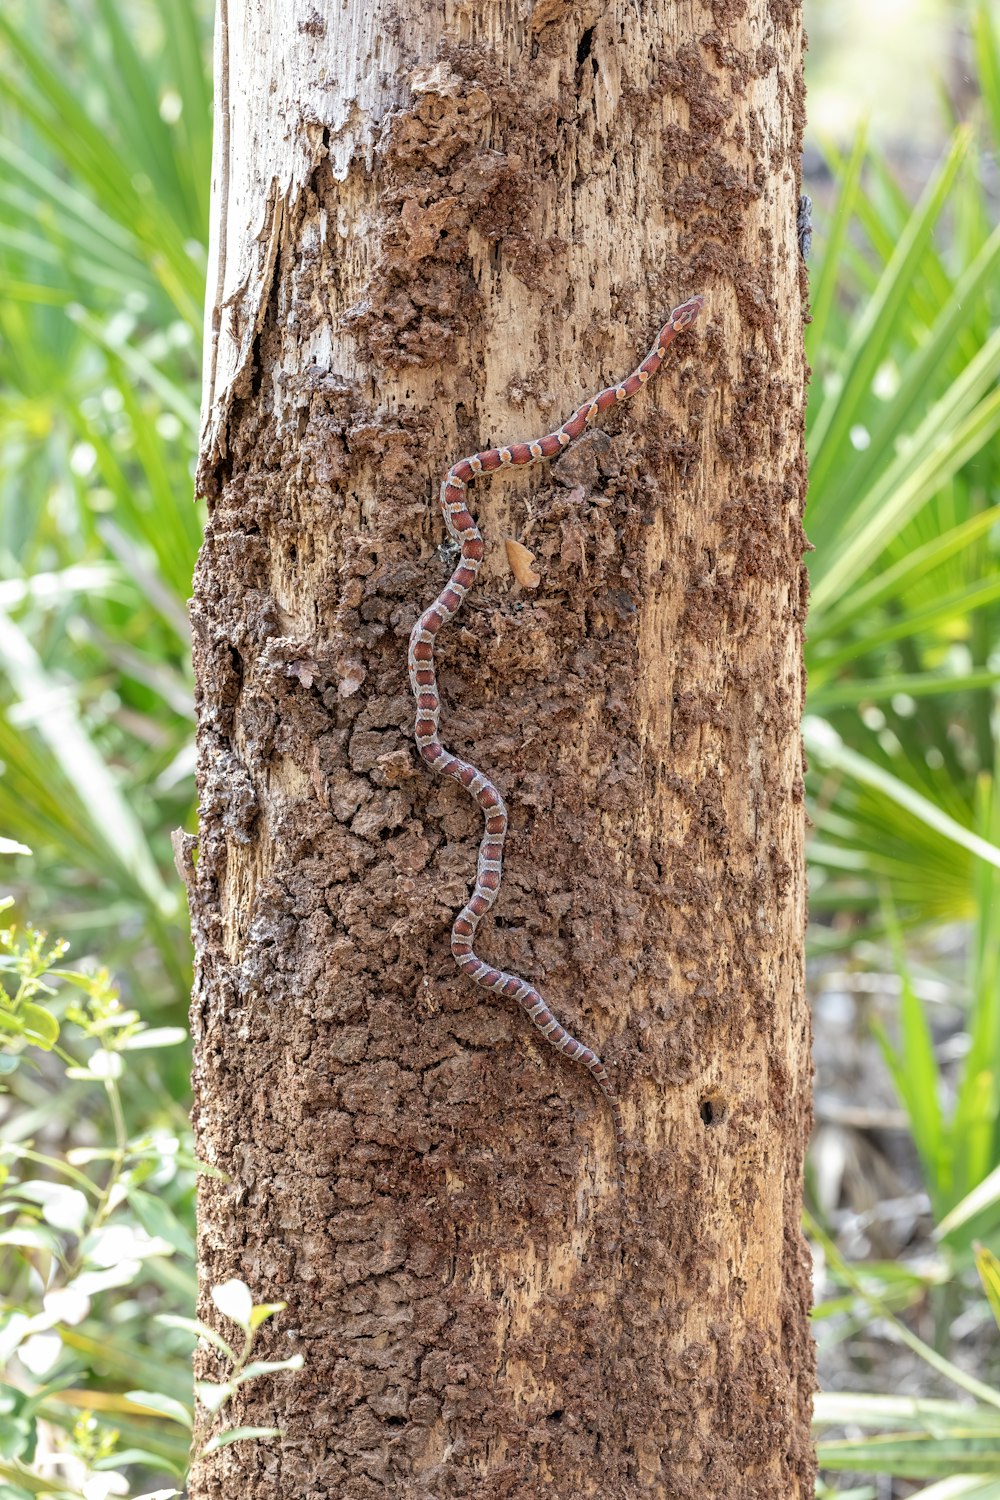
[296, 83]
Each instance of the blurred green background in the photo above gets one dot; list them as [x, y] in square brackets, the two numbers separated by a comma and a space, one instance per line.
[105, 142]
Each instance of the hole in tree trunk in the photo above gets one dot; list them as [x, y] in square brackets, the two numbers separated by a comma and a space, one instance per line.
[712, 1109]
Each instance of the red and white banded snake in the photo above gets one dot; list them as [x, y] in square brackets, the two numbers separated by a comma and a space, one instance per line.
[423, 680]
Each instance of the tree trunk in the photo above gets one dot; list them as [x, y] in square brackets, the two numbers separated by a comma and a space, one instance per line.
[436, 229]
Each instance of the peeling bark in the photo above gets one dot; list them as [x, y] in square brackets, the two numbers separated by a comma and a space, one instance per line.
[434, 230]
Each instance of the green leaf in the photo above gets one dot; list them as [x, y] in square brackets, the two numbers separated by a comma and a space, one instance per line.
[16, 1436]
[123, 1456]
[53, 1163]
[139, 367]
[129, 1361]
[922, 1413]
[110, 1245]
[955, 429]
[989, 1274]
[851, 691]
[40, 1026]
[24, 1482]
[154, 1036]
[234, 1301]
[904, 577]
[259, 1367]
[952, 1372]
[960, 1487]
[825, 282]
[865, 1492]
[110, 169]
[264, 1310]
[198, 1330]
[164, 1406]
[914, 1067]
[212, 1395]
[238, 1435]
[31, 1237]
[889, 423]
[62, 1207]
[160, 1221]
[988, 64]
[985, 1195]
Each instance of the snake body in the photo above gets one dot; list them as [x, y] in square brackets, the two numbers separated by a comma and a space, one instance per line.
[423, 680]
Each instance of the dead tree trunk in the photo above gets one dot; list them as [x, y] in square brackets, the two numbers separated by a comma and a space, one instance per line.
[437, 228]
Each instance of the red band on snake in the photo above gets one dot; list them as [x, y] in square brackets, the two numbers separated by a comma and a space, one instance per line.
[423, 680]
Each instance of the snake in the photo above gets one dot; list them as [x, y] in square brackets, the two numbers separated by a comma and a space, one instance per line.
[466, 536]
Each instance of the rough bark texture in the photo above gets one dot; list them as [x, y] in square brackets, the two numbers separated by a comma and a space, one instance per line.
[438, 228]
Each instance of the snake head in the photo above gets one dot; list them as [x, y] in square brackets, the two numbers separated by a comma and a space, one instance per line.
[682, 317]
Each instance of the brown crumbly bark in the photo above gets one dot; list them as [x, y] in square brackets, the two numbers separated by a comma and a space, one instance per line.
[428, 1186]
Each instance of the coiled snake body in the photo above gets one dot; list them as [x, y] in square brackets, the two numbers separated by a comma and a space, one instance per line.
[423, 680]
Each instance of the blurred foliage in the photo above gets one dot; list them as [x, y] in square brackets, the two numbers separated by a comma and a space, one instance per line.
[97, 1249]
[903, 651]
[94, 1235]
[902, 734]
[105, 144]
[955, 1141]
[955, 1443]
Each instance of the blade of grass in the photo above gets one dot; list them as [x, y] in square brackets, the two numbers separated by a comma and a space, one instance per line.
[55, 718]
[983, 1197]
[858, 470]
[168, 391]
[954, 430]
[62, 121]
[138, 115]
[825, 287]
[902, 575]
[977, 1103]
[920, 1457]
[987, 45]
[914, 1067]
[183, 31]
[951, 1372]
[852, 691]
[873, 329]
[924, 1413]
[827, 747]
[957, 606]
[960, 1487]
